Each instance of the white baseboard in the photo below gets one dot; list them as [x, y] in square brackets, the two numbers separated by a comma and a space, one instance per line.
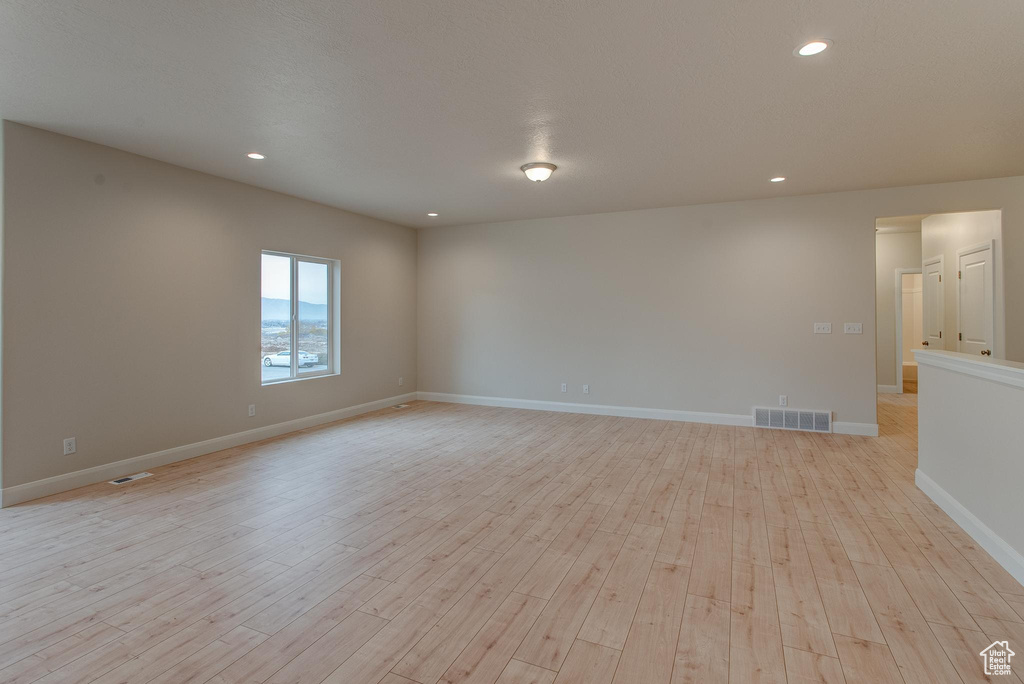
[888, 389]
[109, 471]
[864, 429]
[596, 409]
[870, 429]
[1004, 554]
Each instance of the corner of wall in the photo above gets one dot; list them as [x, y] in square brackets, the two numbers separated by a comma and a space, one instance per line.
[180, 219]
[3, 162]
[415, 387]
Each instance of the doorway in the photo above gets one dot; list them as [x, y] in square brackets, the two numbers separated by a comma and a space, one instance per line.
[909, 326]
[952, 264]
[897, 257]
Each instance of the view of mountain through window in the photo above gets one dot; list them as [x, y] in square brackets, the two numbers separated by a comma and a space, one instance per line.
[296, 320]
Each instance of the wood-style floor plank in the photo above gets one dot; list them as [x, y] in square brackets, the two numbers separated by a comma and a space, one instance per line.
[702, 653]
[867, 662]
[812, 668]
[919, 655]
[649, 652]
[755, 646]
[518, 672]
[548, 642]
[614, 608]
[486, 656]
[588, 663]
[802, 616]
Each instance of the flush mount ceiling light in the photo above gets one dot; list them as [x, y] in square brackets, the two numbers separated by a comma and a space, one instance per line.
[432, 214]
[778, 179]
[538, 171]
[815, 47]
[255, 155]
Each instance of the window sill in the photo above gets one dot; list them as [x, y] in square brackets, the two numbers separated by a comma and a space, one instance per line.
[288, 381]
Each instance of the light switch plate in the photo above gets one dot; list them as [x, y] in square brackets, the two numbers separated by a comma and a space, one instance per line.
[853, 328]
[822, 328]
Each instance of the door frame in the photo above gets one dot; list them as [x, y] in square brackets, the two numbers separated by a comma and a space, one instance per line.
[962, 252]
[941, 261]
[899, 321]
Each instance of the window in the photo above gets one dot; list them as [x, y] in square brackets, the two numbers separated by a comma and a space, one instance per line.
[298, 315]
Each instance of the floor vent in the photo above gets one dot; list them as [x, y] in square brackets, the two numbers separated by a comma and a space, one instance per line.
[793, 419]
[400, 406]
[122, 480]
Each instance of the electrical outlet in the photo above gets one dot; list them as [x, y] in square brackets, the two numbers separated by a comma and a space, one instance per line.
[853, 328]
[783, 400]
[565, 387]
[70, 446]
[401, 381]
[586, 389]
[822, 328]
[252, 410]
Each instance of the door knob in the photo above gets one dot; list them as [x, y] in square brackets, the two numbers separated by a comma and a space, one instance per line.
[925, 343]
[986, 352]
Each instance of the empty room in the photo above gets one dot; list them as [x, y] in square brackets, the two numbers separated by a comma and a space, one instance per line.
[511, 342]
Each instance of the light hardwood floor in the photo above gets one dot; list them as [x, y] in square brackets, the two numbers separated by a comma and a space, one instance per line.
[446, 543]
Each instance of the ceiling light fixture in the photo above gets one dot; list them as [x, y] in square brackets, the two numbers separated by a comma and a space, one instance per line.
[778, 179]
[538, 171]
[815, 47]
[432, 214]
[255, 155]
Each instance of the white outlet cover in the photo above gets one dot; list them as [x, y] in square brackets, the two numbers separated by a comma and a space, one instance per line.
[401, 381]
[586, 389]
[70, 446]
[565, 387]
[822, 328]
[252, 409]
[853, 328]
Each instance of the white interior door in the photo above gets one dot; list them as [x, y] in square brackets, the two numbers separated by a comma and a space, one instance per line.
[934, 304]
[975, 299]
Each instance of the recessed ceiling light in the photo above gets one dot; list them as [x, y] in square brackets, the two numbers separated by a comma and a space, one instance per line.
[815, 47]
[255, 155]
[778, 179]
[538, 171]
[432, 213]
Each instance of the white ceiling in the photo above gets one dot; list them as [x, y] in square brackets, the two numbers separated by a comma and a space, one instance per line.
[397, 108]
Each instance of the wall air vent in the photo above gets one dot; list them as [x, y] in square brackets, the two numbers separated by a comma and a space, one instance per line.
[122, 480]
[793, 419]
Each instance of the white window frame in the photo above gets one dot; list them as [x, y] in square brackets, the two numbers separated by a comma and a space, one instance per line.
[333, 309]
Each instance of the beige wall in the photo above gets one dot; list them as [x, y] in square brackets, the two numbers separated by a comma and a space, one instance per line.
[131, 305]
[703, 308]
[943, 235]
[892, 251]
